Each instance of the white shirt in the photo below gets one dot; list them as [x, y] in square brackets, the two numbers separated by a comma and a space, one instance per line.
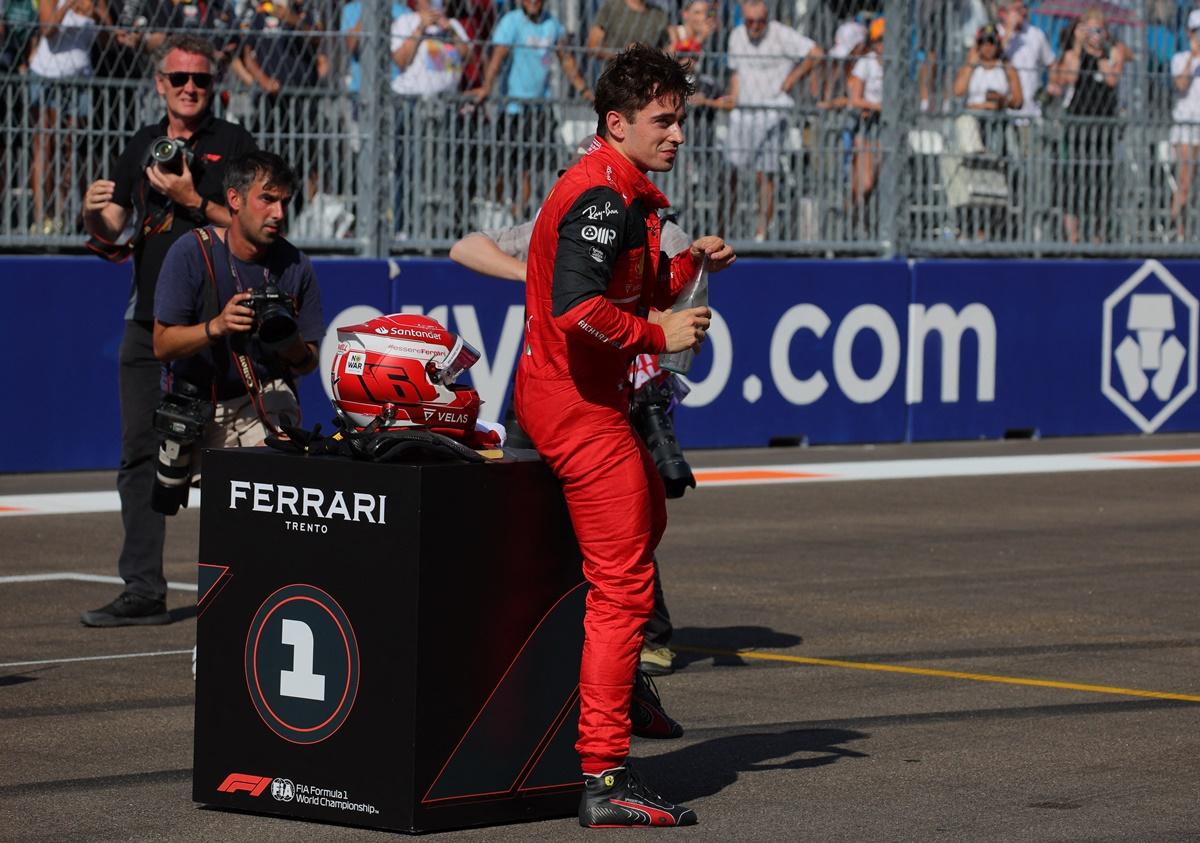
[985, 79]
[1029, 53]
[436, 65]
[1187, 107]
[762, 67]
[66, 52]
[870, 71]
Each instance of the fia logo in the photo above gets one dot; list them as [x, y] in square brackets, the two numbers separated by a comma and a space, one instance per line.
[1150, 333]
[283, 790]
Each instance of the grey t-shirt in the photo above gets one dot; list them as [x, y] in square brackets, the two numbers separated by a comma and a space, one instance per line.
[514, 240]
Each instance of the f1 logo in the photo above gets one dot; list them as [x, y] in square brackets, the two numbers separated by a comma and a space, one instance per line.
[238, 782]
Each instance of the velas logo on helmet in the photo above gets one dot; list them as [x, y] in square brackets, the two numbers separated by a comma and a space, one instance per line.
[403, 368]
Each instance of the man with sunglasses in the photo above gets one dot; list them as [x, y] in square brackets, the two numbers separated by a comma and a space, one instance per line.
[160, 204]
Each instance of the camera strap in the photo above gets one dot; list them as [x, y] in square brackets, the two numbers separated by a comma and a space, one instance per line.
[154, 221]
[241, 361]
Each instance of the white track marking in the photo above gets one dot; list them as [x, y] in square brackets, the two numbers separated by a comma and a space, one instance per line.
[98, 658]
[70, 575]
[70, 503]
[945, 467]
[64, 503]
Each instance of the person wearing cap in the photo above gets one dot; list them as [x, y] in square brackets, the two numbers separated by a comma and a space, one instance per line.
[1185, 134]
[527, 34]
[766, 60]
[848, 43]
[866, 102]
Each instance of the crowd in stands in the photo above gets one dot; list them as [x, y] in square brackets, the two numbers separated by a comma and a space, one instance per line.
[998, 68]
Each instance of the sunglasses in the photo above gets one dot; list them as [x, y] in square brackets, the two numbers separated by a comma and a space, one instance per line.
[180, 78]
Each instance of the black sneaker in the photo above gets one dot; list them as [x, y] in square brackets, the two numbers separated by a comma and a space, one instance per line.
[617, 798]
[128, 610]
[646, 712]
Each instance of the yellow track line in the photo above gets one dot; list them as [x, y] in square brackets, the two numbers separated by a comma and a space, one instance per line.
[944, 674]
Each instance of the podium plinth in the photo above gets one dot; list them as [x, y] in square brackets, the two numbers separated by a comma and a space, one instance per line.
[392, 646]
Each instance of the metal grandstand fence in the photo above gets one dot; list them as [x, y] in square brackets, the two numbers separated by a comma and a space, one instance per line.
[400, 149]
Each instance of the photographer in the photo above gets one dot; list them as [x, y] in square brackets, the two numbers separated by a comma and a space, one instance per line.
[238, 312]
[161, 201]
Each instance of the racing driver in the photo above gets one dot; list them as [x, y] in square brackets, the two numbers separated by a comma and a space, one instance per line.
[595, 271]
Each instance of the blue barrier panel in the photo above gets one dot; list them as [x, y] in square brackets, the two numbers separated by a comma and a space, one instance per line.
[840, 351]
[62, 322]
[1065, 348]
[801, 349]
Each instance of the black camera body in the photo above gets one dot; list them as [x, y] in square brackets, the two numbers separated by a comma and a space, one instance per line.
[180, 421]
[169, 154]
[274, 319]
[653, 423]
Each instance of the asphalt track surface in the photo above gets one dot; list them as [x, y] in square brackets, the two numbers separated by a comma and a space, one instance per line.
[983, 586]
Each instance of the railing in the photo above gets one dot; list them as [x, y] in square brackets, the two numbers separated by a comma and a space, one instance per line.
[385, 173]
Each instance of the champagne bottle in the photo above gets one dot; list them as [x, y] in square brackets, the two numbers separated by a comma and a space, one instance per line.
[695, 294]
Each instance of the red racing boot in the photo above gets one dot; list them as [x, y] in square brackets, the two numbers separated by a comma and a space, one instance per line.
[617, 798]
[646, 713]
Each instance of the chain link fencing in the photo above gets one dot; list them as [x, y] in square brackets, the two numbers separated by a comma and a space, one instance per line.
[820, 127]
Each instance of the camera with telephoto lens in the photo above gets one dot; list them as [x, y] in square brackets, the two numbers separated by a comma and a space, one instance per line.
[169, 154]
[274, 321]
[180, 420]
[653, 423]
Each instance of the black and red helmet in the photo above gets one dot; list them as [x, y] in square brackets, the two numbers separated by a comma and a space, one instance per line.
[403, 367]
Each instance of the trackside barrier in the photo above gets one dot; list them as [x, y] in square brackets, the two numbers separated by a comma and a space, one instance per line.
[816, 351]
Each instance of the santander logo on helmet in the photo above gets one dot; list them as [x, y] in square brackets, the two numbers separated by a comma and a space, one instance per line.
[403, 367]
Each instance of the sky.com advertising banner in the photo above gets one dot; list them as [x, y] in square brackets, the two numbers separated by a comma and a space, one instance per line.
[821, 351]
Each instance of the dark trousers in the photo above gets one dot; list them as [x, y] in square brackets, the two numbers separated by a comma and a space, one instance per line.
[140, 378]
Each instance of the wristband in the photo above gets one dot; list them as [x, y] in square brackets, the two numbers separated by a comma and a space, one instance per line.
[207, 333]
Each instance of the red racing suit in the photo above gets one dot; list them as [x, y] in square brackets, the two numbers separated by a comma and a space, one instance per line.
[593, 269]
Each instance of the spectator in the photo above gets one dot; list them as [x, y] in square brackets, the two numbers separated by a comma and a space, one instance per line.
[766, 60]
[166, 205]
[351, 28]
[989, 85]
[59, 104]
[145, 24]
[1028, 50]
[280, 51]
[986, 80]
[620, 23]
[1092, 68]
[689, 39]
[1185, 134]
[477, 17]
[866, 102]
[18, 25]
[848, 45]
[527, 128]
[429, 48]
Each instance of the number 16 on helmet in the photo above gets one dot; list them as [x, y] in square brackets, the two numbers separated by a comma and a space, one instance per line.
[409, 362]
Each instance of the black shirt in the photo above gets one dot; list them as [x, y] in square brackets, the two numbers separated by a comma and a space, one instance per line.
[213, 144]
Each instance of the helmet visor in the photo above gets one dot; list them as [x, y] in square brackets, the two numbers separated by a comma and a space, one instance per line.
[461, 357]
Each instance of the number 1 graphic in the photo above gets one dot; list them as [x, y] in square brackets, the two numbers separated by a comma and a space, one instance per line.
[300, 682]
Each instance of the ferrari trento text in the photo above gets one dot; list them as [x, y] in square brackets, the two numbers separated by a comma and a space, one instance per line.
[306, 502]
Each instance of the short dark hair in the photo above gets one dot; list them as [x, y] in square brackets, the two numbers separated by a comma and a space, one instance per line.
[246, 169]
[193, 44]
[637, 76]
